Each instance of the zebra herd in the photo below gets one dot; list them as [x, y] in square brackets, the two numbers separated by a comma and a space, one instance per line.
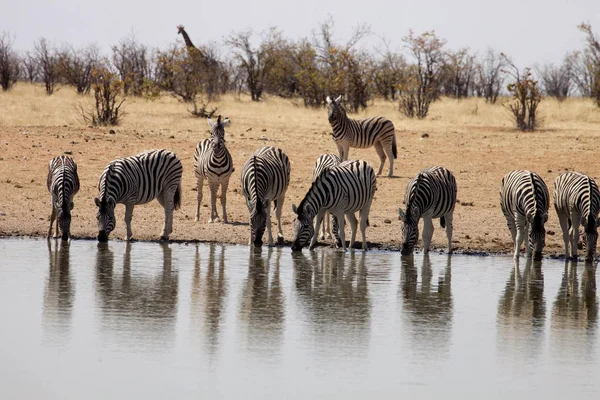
[340, 188]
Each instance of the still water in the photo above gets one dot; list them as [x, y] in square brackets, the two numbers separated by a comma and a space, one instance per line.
[153, 321]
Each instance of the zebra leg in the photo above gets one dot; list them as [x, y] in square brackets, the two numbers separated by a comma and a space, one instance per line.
[364, 217]
[278, 210]
[390, 155]
[381, 154]
[353, 225]
[128, 217]
[214, 216]
[199, 186]
[427, 233]
[512, 227]
[448, 218]
[341, 229]
[327, 221]
[564, 227]
[224, 186]
[318, 221]
[268, 211]
[521, 224]
[167, 200]
[340, 150]
[575, 220]
[52, 218]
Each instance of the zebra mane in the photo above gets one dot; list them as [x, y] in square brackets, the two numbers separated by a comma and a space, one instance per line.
[304, 201]
[591, 221]
[535, 205]
[258, 206]
[107, 178]
[65, 200]
[412, 195]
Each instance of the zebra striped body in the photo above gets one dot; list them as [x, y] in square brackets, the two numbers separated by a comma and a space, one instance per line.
[323, 163]
[577, 202]
[430, 194]
[265, 178]
[63, 184]
[139, 179]
[524, 200]
[213, 162]
[376, 131]
[342, 190]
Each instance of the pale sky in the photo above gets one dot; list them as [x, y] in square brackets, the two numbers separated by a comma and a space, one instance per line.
[529, 31]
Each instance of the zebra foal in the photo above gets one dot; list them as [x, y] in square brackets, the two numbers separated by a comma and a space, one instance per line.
[265, 179]
[342, 190]
[63, 185]
[377, 131]
[430, 194]
[213, 162]
[139, 179]
[577, 202]
[524, 200]
[323, 163]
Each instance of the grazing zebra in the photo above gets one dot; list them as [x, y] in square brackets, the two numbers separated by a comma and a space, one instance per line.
[213, 162]
[324, 162]
[63, 184]
[577, 201]
[430, 194]
[376, 131]
[342, 190]
[139, 179]
[265, 178]
[524, 200]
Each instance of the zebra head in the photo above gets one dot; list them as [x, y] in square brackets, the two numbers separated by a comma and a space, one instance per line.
[258, 223]
[537, 234]
[217, 132]
[64, 219]
[590, 236]
[105, 217]
[303, 228]
[409, 229]
[335, 110]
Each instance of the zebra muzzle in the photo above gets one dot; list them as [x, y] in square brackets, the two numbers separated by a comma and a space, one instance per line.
[102, 236]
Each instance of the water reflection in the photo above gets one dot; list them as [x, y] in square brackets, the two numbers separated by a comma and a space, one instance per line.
[575, 312]
[137, 305]
[522, 311]
[262, 309]
[332, 286]
[428, 311]
[59, 293]
[209, 293]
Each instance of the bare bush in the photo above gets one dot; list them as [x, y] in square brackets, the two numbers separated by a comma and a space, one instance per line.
[458, 74]
[388, 73]
[107, 88]
[556, 80]
[49, 67]
[489, 79]
[202, 109]
[10, 65]
[526, 96]
[30, 67]
[133, 62]
[589, 71]
[177, 74]
[311, 80]
[77, 66]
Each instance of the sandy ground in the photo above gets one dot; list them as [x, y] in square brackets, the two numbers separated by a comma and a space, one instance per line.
[478, 149]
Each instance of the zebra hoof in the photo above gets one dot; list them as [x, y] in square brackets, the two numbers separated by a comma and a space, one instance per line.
[164, 239]
[280, 240]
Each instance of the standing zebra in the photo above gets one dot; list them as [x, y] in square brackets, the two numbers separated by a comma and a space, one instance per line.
[139, 179]
[363, 133]
[265, 178]
[430, 194]
[524, 200]
[323, 163]
[577, 201]
[342, 190]
[63, 184]
[213, 162]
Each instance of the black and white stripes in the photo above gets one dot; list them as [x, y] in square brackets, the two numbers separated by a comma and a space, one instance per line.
[524, 200]
[342, 190]
[213, 162]
[265, 178]
[139, 179]
[376, 131]
[323, 163]
[430, 194]
[63, 184]
[577, 202]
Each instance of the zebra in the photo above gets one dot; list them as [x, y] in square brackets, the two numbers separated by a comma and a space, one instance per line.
[63, 185]
[342, 190]
[577, 201]
[376, 131]
[213, 162]
[139, 179]
[430, 194]
[524, 200]
[265, 178]
[323, 163]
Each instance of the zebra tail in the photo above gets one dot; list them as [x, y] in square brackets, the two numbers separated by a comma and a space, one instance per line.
[177, 198]
[442, 222]
[394, 149]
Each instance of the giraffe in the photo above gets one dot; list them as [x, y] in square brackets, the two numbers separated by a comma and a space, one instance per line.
[193, 51]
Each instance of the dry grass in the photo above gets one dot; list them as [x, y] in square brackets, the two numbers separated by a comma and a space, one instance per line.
[474, 139]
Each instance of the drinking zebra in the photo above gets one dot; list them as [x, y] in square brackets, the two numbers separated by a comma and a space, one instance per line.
[376, 131]
[213, 162]
[430, 194]
[524, 201]
[342, 190]
[63, 185]
[139, 179]
[577, 201]
[323, 163]
[265, 178]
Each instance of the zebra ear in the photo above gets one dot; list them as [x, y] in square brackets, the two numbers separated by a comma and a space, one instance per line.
[210, 122]
[401, 215]
[97, 201]
[597, 222]
[294, 209]
[225, 122]
[545, 217]
[72, 205]
[339, 98]
[328, 99]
